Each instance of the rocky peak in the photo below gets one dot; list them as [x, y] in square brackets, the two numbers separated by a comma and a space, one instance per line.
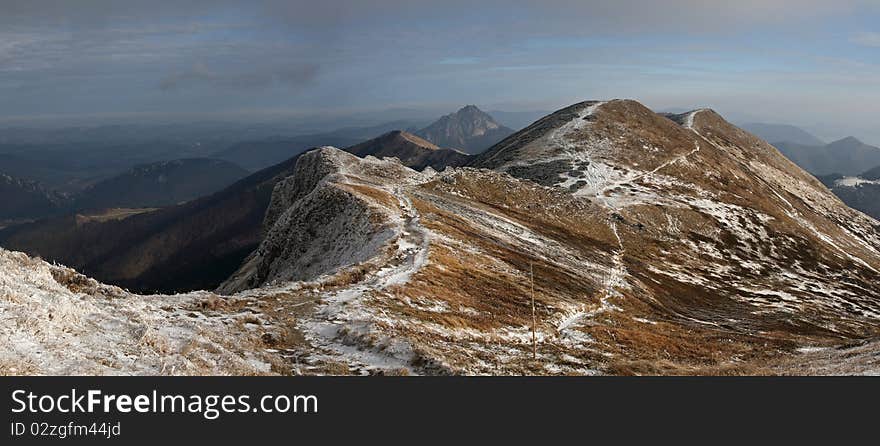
[469, 129]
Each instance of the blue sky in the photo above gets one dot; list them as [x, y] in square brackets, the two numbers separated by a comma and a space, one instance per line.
[811, 63]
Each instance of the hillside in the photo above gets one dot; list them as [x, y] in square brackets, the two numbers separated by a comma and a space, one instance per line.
[657, 247]
[469, 129]
[861, 192]
[160, 184]
[26, 199]
[602, 239]
[195, 245]
[412, 151]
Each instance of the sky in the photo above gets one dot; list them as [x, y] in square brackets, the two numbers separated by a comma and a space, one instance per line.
[811, 63]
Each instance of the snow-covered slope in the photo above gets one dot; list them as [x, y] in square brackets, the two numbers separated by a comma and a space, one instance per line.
[859, 192]
[54, 321]
[336, 210]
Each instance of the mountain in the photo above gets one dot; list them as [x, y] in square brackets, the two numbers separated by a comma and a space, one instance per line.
[72, 166]
[848, 156]
[469, 130]
[602, 239]
[657, 245]
[258, 154]
[160, 184]
[774, 133]
[26, 199]
[194, 245]
[412, 151]
[860, 192]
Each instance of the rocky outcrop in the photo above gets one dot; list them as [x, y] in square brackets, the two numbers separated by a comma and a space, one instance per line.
[336, 210]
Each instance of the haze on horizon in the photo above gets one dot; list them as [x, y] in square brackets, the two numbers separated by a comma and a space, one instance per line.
[809, 63]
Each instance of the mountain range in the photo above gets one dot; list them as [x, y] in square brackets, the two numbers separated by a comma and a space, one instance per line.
[860, 192]
[847, 156]
[839, 165]
[774, 133]
[194, 245]
[602, 239]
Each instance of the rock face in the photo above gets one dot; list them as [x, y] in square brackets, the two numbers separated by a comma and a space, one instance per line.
[412, 151]
[161, 184]
[27, 199]
[469, 130]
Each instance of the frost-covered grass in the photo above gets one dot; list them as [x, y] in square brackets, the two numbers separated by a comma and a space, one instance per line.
[48, 329]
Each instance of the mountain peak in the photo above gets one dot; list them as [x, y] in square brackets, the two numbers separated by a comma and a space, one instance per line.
[470, 130]
[470, 108]
[849, 140]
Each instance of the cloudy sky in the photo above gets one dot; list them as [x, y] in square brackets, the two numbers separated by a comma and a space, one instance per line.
[806, 62]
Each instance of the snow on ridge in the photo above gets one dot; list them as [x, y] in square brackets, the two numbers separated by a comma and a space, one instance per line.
[689, 120]
[854, 182]
[51, 329]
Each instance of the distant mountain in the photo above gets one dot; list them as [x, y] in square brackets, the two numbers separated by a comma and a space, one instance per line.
[412, 151]
[258, 154]
[861, 192]
[73, 166]
[517, 120]
[847, 157]
[26, 199]
[161, 184]
[195, 245]
[470, 130]
[774, 133]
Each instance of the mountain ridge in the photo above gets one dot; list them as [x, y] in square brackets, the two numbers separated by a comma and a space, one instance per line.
[602, 239]
[160, 184]
[848, 156]
[411, 150]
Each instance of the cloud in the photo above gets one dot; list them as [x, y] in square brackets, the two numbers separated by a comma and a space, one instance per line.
[296, 76]
[866, 38]
[684, 14]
